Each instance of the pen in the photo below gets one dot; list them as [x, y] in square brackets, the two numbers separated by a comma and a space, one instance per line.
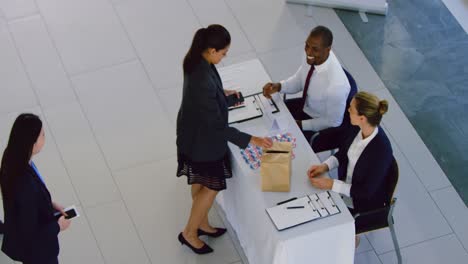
[292, 199]
[295, 207]
[276, 151]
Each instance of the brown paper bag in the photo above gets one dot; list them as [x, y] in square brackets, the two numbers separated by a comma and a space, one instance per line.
[275, 168]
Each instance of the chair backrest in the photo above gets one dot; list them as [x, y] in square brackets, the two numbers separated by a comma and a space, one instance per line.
[352, 92]
[391, 180]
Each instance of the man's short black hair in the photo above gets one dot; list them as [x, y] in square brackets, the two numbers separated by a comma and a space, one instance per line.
[324, 33]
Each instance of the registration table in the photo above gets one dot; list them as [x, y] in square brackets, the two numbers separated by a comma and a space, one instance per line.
[327, 240]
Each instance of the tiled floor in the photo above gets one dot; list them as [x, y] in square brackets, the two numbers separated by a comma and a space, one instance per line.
[105, 76]
[420, 51]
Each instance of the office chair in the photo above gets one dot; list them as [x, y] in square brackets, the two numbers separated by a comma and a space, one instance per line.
[383, 217]
[331, 138]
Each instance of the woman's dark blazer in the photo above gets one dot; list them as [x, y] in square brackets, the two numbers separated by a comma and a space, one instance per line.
[30, 226]
[368, 184]
[202, 121]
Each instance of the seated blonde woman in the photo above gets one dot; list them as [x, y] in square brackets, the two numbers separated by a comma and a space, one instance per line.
[363, 160]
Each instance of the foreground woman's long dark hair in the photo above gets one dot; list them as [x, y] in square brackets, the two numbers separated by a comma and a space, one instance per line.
[30, 228]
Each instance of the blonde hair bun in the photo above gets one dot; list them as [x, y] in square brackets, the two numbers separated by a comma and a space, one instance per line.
[383, 107]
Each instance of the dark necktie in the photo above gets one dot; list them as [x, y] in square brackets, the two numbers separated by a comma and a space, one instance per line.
[306, 86]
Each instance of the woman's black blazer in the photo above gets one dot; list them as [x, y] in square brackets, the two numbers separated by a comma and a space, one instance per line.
[202, 121]
[30, 226]
[368, 189]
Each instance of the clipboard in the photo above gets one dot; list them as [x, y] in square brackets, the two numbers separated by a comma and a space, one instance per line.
[272, 105]
[249, 110]
[303, 210]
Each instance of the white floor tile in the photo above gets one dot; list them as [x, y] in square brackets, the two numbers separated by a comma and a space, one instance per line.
[364, 245]
[459, 9]
[116, 235]
[78, 244]
[161, 32]
[4, 259]
[17, 8]
[41, 61]
[229, 60]
[16, 92]
[412, 146]
[171, 99]
[454, 210]
[276, 29]
[51, 167]
[417, 217]
[6, 123]
[81, 154]
[447, 250]
[87, 33]
[282, 64]
[303, 20]
[126, 115]
[160, 204]
[368, 257]
[351, 56]
[223, 16]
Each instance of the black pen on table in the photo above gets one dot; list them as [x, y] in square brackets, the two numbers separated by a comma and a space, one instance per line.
[295, 207]
[292, 199]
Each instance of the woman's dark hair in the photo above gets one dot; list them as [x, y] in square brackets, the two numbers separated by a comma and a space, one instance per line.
[214, 36]
[15, 161]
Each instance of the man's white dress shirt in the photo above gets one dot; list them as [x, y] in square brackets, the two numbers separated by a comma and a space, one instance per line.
[326, 96]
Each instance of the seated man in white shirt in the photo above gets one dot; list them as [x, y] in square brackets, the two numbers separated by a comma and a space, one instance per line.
[323, 83]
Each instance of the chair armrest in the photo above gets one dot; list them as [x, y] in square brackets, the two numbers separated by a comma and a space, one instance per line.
[314, 136]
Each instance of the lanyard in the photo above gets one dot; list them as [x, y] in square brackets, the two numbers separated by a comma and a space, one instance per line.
[37, 172]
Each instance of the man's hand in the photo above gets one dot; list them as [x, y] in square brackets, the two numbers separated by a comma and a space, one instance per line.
[271, 88]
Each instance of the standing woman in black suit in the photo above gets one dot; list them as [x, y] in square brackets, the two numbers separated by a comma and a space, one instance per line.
[203, 132]
[363, 160]
[31, 228]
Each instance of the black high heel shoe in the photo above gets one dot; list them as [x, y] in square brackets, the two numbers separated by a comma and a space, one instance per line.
[200, 251]
[219, 232]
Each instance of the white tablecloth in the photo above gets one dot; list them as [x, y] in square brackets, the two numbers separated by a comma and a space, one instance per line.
[329, 240]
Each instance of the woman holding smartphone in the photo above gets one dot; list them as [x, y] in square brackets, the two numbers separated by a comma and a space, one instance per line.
[30, 228]
[203, 133]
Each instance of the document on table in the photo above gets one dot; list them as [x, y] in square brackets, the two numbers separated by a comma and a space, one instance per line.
[303, 210]
[250, 110]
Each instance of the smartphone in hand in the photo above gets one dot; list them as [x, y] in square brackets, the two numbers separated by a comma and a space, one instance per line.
[70, 211]
[232, 99]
